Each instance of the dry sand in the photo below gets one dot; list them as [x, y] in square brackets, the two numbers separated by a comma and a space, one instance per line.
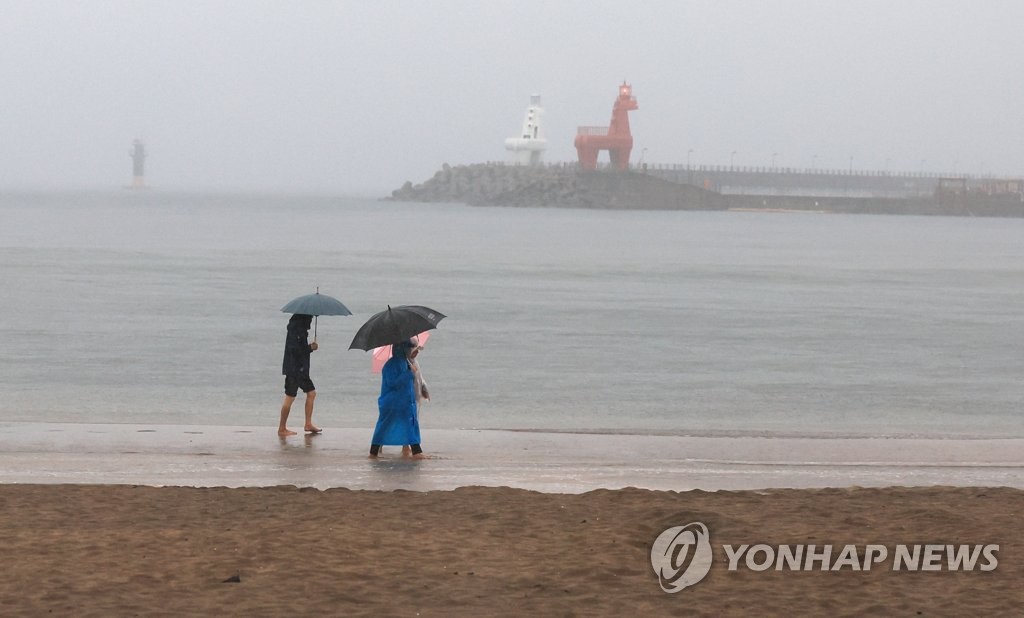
[128, 550]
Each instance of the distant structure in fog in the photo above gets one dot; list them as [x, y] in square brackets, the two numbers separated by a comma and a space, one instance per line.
[138, 155]
[528, 148]
[616, 138]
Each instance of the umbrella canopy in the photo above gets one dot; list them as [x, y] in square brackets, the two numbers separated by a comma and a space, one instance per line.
[394, 325]
[383, 353]
[316, 304]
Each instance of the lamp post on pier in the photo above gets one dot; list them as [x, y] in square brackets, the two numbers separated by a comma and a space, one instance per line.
[732, 159]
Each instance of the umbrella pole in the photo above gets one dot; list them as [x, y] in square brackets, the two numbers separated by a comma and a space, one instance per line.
[314, 327]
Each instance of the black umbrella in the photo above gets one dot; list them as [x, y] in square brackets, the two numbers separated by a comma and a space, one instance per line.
[394, 325]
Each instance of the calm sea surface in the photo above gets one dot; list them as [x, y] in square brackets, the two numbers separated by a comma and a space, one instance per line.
[164, 308]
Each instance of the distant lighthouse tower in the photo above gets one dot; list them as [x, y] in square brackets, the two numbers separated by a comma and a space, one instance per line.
[138, 155]
[528, 148]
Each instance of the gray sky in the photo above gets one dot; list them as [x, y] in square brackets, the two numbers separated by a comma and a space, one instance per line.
[357, 97]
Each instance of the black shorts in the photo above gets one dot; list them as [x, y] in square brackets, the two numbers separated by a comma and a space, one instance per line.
[292, 385]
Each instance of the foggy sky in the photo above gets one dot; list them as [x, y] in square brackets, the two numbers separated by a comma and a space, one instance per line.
[358, 97]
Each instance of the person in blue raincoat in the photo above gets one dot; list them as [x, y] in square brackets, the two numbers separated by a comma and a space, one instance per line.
[398, 423]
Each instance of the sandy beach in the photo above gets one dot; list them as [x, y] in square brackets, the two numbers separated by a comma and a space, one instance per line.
[91, 550]
[112, 520]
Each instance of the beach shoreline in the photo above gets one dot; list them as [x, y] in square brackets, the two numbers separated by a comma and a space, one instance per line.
[558, 462]
[104, 519]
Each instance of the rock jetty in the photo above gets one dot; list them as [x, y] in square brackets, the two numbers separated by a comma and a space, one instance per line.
[560, 186]
[566, 186]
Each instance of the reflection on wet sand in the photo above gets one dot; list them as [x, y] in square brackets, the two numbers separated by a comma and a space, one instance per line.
[555, 462]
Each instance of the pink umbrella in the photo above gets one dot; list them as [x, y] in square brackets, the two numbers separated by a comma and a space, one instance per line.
[383, 353]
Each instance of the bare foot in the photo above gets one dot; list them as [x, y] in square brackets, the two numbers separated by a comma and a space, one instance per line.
[371, 457]
[406, 451]
[420, 456]
[313, 429]
[285, 432]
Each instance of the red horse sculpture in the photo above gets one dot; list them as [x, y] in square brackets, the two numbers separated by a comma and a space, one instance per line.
[615, 138]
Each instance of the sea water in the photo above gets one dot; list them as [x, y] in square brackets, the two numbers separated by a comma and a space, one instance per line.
[162, 308]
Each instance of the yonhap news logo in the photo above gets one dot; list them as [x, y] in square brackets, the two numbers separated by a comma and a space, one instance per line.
[929, 557]
[681, 556]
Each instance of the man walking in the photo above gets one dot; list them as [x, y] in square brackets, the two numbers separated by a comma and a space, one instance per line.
[296, 372]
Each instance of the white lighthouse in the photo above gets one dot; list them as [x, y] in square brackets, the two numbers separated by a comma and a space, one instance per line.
[528, 147]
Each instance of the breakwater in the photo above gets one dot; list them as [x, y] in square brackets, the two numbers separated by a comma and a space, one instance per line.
[556, 186]
[566, 186]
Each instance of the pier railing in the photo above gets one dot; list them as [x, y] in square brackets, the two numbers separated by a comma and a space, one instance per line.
[824, 171]
[747, 169]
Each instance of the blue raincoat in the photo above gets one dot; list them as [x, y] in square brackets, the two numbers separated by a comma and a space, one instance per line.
[398, 423]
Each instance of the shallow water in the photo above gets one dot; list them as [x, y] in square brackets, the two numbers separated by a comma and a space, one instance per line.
[148, 308]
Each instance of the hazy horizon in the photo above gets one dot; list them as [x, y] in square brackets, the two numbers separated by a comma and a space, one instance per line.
[357, 98]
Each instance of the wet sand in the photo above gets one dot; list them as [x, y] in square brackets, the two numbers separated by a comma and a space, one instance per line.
[107, 550]
[209, 456]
